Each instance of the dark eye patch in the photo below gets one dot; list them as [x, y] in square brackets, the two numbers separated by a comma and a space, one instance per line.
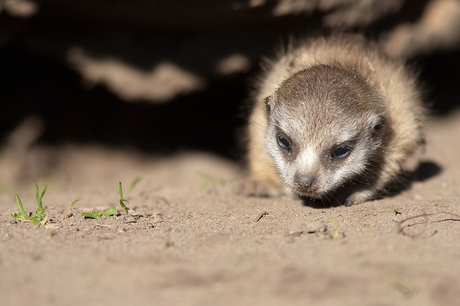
[283, 141]
[341, 152]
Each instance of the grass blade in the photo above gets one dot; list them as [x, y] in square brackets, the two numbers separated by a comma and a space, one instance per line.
[71, 205]
[122, 201]
[88, 215]
[125, 208]
[136, 180]
[109, 212]
[38, 196]
[34, 220]
[21, 208]
[43, 193]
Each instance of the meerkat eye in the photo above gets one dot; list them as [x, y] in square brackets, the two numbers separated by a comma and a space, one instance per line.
[341, 152]
[283, 141]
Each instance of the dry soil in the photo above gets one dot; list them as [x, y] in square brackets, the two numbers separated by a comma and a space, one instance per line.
[189, 240]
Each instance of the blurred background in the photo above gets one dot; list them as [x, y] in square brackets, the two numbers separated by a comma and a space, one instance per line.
[162, 76]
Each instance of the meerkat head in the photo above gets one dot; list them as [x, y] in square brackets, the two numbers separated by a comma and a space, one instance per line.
[326, 127]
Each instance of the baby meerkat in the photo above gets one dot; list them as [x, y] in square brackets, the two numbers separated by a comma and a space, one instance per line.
[334, 120]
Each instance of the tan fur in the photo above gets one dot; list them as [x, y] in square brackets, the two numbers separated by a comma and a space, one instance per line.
[395, 85]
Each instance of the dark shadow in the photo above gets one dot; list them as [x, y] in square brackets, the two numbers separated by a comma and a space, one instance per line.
[426, 170]
[441, 81]
[338, 197]
[410, 12]
[319, 204]
[44, 88]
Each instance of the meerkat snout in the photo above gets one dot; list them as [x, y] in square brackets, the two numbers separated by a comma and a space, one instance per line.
[304, 182]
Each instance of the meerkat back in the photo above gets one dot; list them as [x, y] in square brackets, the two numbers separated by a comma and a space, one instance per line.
[334, 120]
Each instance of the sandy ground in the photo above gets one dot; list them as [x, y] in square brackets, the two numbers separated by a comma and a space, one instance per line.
[189, 240]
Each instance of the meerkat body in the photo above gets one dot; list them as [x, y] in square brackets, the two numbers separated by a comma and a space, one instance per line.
[334, 119]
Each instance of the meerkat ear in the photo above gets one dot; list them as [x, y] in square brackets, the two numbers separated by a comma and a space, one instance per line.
[380, 127]
[268, 105]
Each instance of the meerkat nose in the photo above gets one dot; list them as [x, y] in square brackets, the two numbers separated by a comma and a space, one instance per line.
[304, 180]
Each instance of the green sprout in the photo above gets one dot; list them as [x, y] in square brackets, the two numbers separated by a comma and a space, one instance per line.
[123, 201]
[97, 215]
[71, 205]
[210, 179]
[396, 211]
[39, 196]
[337, 229]
[168, 242]
[136, 180]
[406, 288]
[39, 213]
[203, 187]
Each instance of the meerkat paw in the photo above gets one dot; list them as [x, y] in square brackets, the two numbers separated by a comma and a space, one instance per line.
[250, 187]
[358, 197]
